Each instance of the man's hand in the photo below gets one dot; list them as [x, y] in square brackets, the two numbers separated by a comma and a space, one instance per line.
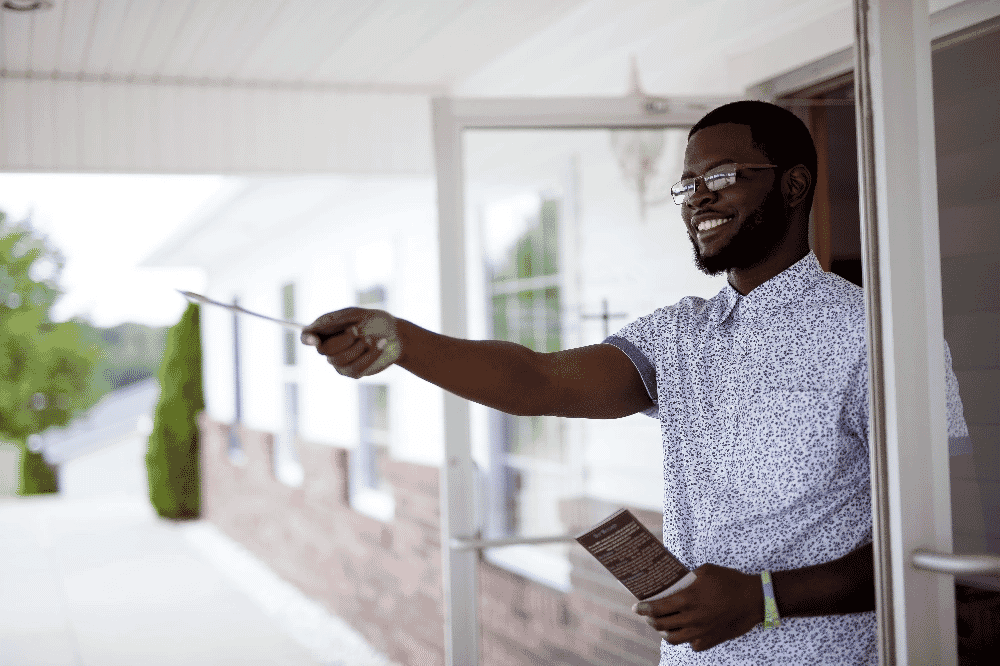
[356, 342]
[719, 605]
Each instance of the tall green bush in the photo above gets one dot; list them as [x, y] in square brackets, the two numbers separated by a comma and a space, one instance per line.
[173, 459]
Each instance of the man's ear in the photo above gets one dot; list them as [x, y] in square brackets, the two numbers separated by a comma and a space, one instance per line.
[795, 185]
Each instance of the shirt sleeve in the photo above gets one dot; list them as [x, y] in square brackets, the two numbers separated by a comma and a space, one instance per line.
[856, 403]
[958, 432]
[641, 341]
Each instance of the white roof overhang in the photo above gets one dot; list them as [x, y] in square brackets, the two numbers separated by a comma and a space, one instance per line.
[337, 86]
[231, 86]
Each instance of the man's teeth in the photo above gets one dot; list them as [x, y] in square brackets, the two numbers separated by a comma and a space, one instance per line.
[705, 225]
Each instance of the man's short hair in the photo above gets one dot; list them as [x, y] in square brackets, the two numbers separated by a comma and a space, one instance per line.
[776, 132]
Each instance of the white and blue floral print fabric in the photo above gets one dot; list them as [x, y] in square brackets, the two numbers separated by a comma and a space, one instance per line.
[763, 408]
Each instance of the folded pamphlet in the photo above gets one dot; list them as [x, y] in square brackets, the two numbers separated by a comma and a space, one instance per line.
[635, 557]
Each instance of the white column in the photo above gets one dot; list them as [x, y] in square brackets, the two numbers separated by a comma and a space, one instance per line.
[458, 514]
[911, 495]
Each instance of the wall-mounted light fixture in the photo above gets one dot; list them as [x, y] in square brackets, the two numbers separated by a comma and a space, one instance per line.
[638, 150]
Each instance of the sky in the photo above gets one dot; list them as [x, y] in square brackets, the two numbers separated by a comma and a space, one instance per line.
[105, 225]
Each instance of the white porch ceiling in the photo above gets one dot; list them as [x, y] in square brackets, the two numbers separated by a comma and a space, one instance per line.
[385, 45]
[242, 86]
[343, 86]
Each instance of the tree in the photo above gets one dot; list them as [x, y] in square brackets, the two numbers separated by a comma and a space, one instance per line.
[46, 368]
[173, 459]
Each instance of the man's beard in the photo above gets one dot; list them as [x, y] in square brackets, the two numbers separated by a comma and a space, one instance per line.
[754, 243]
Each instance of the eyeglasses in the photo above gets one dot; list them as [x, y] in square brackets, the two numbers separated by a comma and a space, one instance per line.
[714, 179]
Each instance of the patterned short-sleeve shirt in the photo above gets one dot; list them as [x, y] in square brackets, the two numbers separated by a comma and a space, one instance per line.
[763, 408]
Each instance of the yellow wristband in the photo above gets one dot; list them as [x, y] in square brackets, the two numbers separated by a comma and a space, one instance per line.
[771, 617]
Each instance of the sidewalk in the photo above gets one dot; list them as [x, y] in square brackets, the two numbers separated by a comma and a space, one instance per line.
[105, 582]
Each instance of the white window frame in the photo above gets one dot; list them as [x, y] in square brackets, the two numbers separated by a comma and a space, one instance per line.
[285, 462]
[286, 465]
[234, 438]
[539, 564]
[378, 503]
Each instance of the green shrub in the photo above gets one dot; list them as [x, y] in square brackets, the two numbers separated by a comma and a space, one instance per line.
[173, 460]
[36, 476]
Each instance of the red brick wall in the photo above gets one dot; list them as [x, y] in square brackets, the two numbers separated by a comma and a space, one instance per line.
[527, 623]
[385, 579]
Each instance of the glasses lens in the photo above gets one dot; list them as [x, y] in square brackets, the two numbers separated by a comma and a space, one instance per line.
[716, 179]
[682, 190]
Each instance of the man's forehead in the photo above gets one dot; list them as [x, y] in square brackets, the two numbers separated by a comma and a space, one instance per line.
[719, 143]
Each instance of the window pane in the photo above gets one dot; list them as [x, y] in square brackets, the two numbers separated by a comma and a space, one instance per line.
[568, 219]
[374, 441]
[553, 321]
[372, 297]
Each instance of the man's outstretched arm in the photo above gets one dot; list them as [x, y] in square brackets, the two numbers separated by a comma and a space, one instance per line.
[723, 603]
[598, 381]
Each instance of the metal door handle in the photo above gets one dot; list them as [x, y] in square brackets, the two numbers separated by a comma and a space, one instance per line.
[482, 544]
[948, 563]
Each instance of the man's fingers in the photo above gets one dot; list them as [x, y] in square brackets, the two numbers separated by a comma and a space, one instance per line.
[666, 606]
[357, 367]
[676, 636]
[331, 324]
[338, 344]
[347, 356]
[669, 622]
[357, 342]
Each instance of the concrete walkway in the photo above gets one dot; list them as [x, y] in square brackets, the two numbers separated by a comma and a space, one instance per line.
[104, 582]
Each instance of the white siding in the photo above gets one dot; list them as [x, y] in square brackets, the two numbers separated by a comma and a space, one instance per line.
[217, 357]
[83, 126]
[316, 252]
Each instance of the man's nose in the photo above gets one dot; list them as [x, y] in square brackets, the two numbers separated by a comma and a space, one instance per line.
[701, 194]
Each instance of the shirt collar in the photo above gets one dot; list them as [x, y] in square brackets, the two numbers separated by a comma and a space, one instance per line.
[786, 286]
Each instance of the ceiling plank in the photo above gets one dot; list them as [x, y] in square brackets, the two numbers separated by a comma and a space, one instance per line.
[366, 43]
[477, 36]
[109, 19]
[46, 38]
[15, 36]
[244, 39]
[284, 32]
[128, 42]
[312, 40]
[386, 32]
[171, 21]
[75, 35]
[222, 31]
[201, 21]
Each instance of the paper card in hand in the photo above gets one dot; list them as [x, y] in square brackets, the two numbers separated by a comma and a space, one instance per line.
[635, 557]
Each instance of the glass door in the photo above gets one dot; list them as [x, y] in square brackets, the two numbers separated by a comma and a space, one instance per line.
[927, 155]
[966, 89]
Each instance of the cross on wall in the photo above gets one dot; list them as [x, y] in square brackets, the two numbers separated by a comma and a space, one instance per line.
[606, 316]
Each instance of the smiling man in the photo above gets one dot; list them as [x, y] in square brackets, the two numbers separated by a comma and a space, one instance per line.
[762, 396]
